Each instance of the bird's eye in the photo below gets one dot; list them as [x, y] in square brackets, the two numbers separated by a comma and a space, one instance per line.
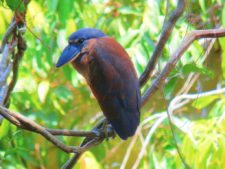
[76, 41]
[80, 41]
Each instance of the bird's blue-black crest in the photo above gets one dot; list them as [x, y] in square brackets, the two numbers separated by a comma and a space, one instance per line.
[87, 33]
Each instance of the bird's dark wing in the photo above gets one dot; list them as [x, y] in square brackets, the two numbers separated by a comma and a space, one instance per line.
[114, 83]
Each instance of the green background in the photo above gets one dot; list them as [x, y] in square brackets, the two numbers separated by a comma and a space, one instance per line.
[60, 98]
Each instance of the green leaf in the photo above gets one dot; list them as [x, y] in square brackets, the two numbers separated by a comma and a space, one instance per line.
[16, 5]
[202, 5]
[87, 161]
[64, 10]
[58, 107]
[223, 16]
[4, 129]
[204, 101]
[192, 67]
[217, 109]
[126, 10]
[169, 88]
[52, 5]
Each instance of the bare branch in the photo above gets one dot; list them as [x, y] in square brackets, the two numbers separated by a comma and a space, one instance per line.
[166, 32]
[77, 133]
[197, 34]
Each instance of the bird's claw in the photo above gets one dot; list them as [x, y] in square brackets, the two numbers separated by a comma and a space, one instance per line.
[97, 132]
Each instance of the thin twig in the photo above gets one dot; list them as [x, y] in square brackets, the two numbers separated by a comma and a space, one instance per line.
[175, 142]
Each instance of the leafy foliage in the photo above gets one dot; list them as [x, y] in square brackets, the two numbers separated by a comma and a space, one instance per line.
[60, 98]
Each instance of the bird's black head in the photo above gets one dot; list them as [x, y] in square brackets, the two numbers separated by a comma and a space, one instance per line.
[77, 41]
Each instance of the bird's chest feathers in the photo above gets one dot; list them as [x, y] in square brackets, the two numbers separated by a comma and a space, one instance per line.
[82, 65]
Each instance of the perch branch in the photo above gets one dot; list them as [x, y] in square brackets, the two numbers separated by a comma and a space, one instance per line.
[197, 34]
[166, 32]
[32, 126]
[19, 119]
[27, 124]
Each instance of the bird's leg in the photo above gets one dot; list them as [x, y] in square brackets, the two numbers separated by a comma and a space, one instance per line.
[104, 129]
[108, 130]
[98, 128]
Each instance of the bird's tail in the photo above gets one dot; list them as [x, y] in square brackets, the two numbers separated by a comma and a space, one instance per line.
[126, 125]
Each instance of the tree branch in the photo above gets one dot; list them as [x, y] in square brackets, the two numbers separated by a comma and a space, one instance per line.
[27, 124]
[166, 32]
[197, 34]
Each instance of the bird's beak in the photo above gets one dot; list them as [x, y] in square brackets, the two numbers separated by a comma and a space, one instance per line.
[69, 54]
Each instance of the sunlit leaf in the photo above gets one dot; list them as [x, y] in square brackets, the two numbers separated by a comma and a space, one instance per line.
[127, 10]
[170, 86]
[202, 5]
[203, 102]
[64, 9]
[4, 129]
[218, 109]
[43, 89]
[58, 107]
[88, 161]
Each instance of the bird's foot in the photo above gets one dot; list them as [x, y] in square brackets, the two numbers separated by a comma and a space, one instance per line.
[97, 132]
[108, 130]
[104, 130]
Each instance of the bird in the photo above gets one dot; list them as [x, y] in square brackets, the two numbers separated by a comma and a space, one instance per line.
[110, 74]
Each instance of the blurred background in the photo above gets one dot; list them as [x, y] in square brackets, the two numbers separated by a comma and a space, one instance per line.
[60, 98]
